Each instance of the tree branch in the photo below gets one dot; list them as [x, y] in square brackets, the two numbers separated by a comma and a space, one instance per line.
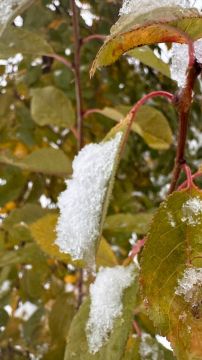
[183, 102]
[79, 107]
[77, 69]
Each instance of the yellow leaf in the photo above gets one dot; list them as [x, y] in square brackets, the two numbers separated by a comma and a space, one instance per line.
[105, 255]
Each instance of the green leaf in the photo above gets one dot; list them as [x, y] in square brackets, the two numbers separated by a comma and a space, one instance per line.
[50, 106]
[153, 127]
[17, 40]
[43, 232]
[146, 347]
[27, 214]
[132, 31]
[128, 223]
[14, 184]
[32, 327]
[60, 317]
[17, 223]
[105, 255]
[148, 58]
[10, 9]
[4, 317]
[149, 123]
[29, 254]
[111, 113]
[46, 161]
[115, 346]
[173, 246]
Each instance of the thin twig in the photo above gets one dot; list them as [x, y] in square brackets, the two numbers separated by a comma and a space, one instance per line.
[93, 37]
[194, 176]
[62, 60]
[138, 105]
[77, 68]
[79, 107]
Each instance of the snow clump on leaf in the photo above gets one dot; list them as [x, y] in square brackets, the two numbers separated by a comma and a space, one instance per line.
[142, 6]
[81, 204]
[192, 211]
[180, 61]
[106, 303]
[191, 280]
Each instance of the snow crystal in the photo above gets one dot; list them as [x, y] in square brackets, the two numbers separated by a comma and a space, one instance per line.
[81, 203]
[171, 219]
[143, 6]
[198, 50]
[187, 286]
[192, 211]
[106, 303]
[6, 9]
[149, 349]
[180, 61]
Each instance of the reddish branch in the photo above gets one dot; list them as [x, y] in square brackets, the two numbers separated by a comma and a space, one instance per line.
[139, 104]
[93, 37]
[62, 60]
[183, 103]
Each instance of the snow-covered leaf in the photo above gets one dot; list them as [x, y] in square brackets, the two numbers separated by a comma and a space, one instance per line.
[132, 31]
[104, 321]
[84, 204]
[139, 6]
[43, 232]
[172, 272]
[9, 9]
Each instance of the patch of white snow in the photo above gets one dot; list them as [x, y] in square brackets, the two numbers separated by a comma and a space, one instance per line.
[81, 204]
[180, 61]
[149, 349]
[191, 280]
[106, 303]
[192, 211]
[142, 6]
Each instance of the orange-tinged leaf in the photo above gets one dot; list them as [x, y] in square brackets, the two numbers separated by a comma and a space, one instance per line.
[161, 25]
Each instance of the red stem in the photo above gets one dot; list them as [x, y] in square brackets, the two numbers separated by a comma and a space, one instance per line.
[93, 37]
[137, 248]
[91, 111]
[188, 173]
[137, 328]
[138, 105]
[62, 60]
[194, 176]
